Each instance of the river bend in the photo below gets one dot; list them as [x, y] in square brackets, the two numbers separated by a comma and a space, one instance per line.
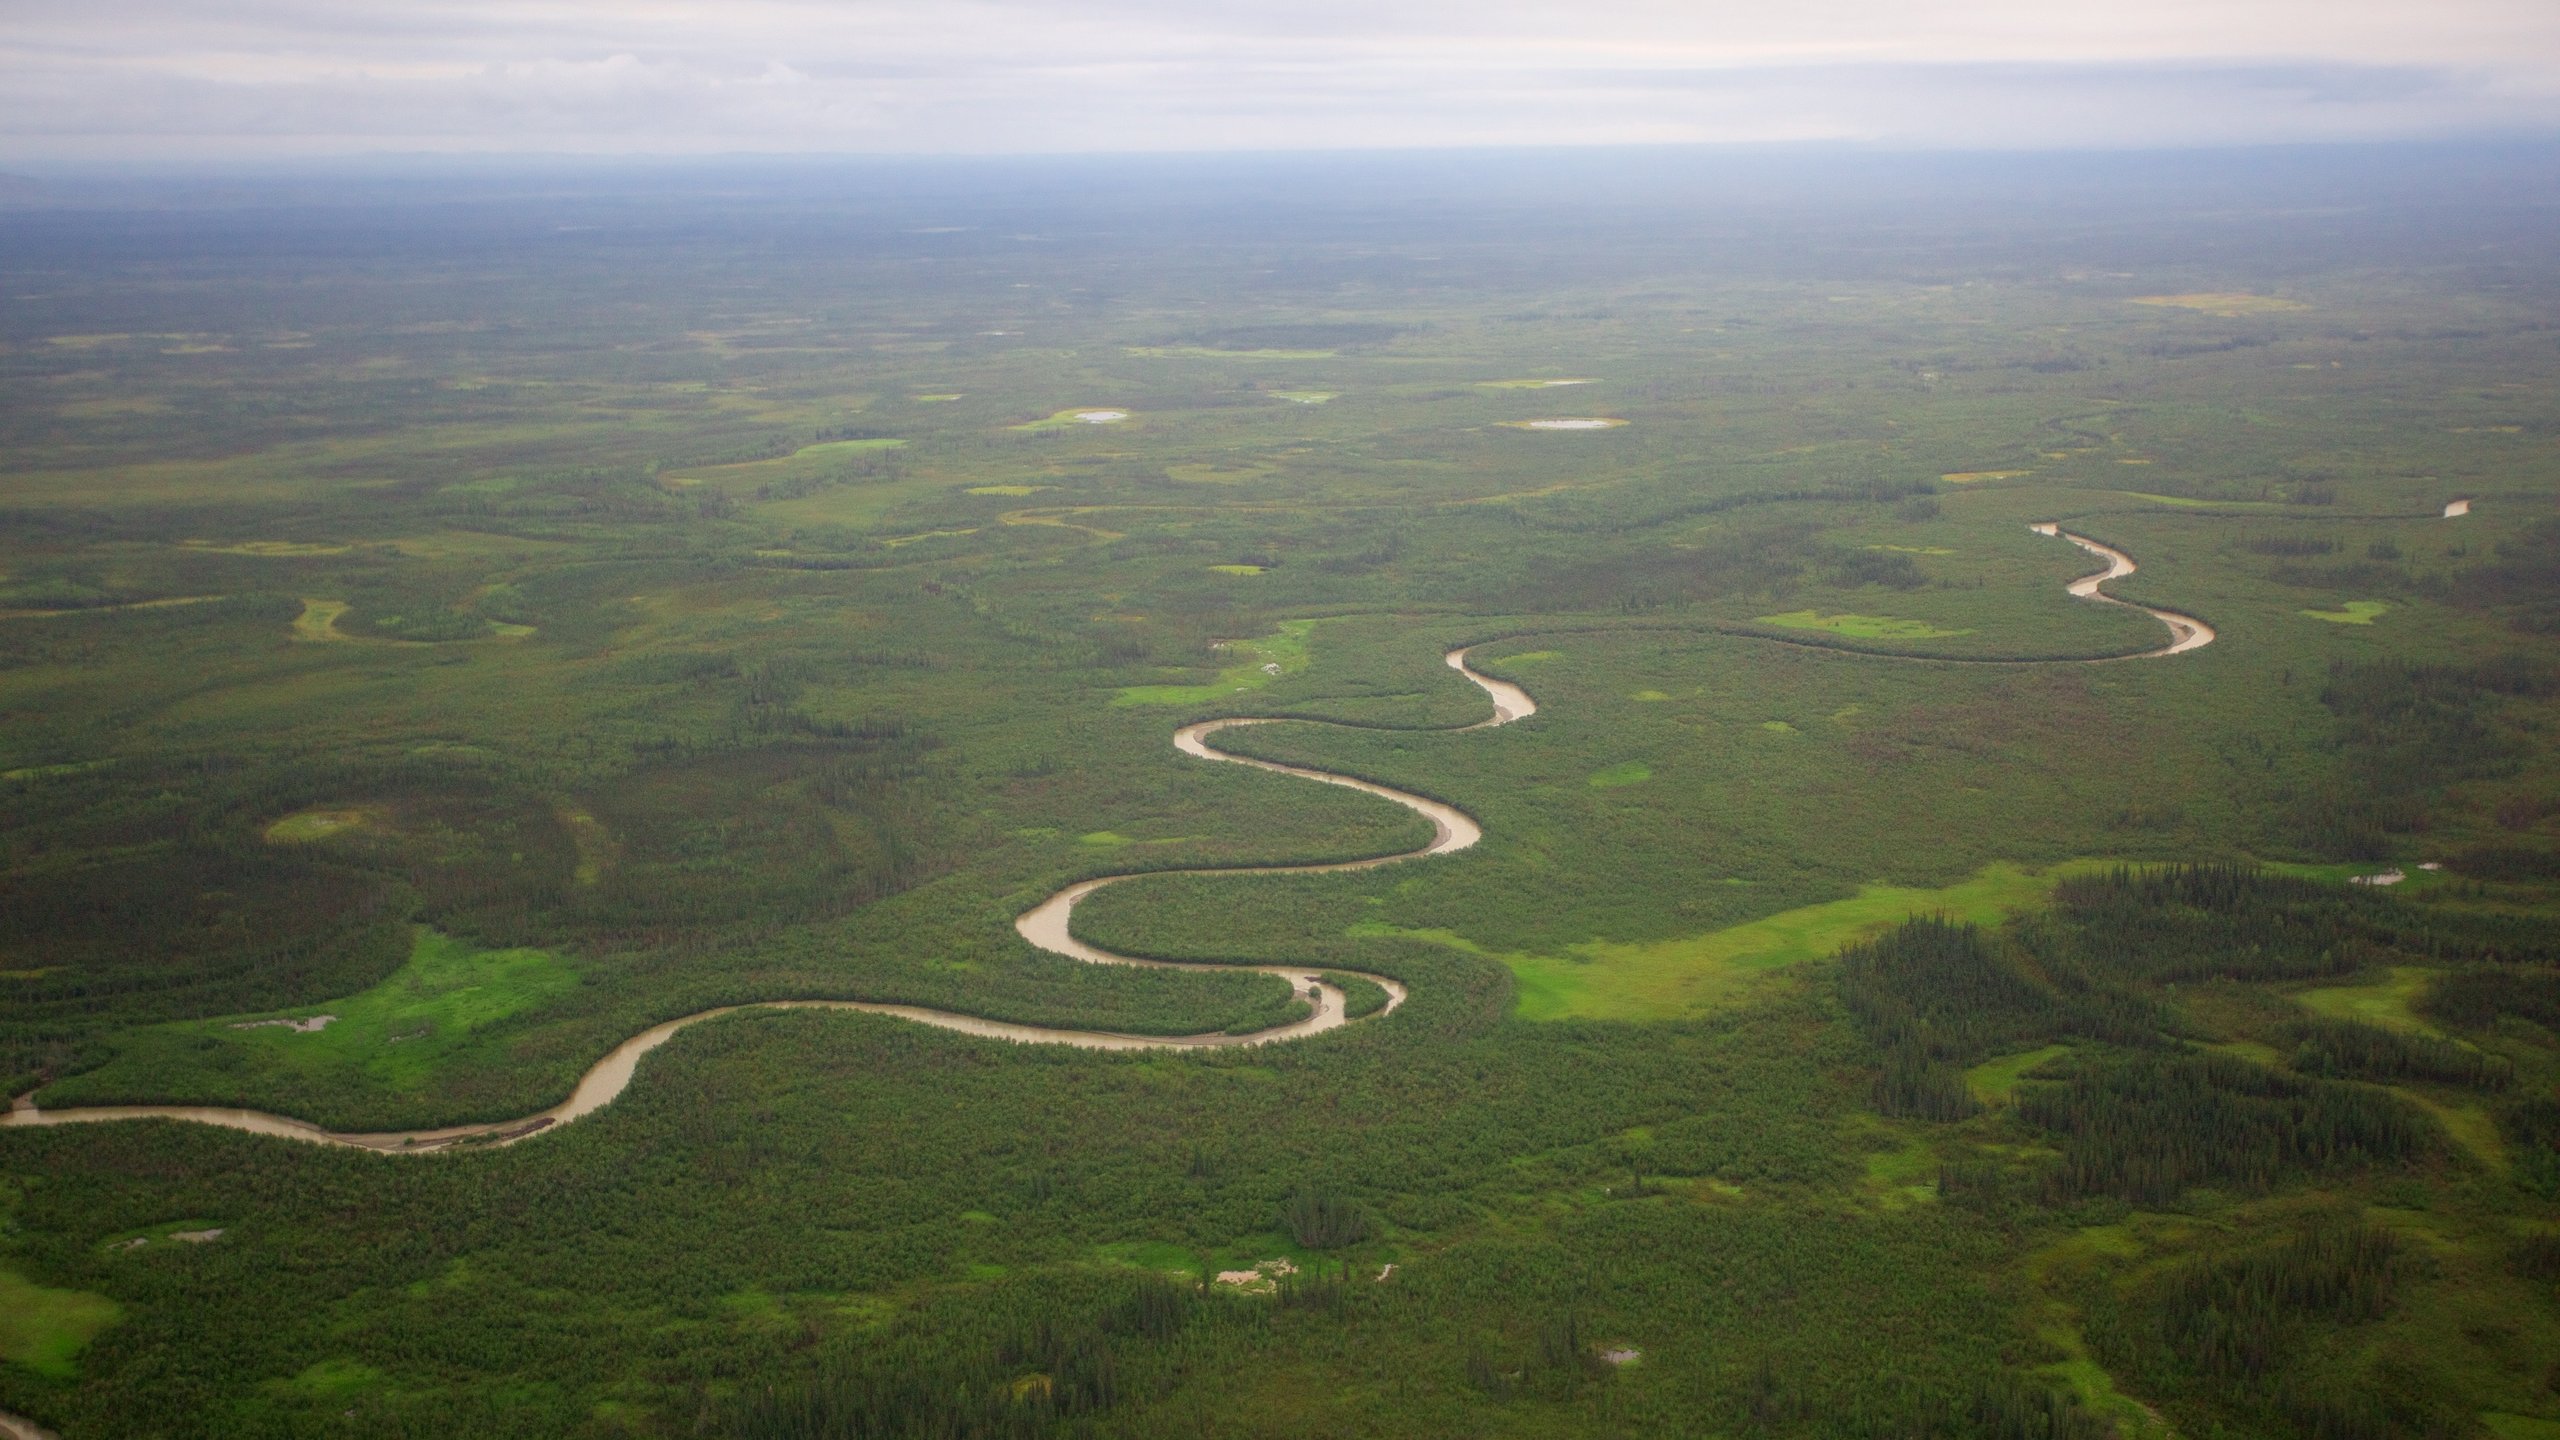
[1049, 927]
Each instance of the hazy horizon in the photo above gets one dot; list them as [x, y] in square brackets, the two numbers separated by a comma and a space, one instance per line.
[152, 81]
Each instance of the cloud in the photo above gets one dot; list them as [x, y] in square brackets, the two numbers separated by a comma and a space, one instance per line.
[174, 79]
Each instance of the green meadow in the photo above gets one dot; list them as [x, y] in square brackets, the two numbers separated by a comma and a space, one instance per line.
[440, 1012]
[45, 1329]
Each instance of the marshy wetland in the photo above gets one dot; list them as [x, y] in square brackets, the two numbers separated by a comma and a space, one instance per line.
[1720, 925]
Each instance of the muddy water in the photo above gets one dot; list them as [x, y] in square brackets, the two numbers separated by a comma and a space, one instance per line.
[2186, 632]
[1046, 925]
[2453, 508]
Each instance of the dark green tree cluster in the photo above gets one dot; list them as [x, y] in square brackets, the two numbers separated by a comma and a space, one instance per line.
[2347, 1049]
[2144, 1128]
[1324, 1219]
[1014, 1370]
[2477, 999]
[2239, 1333]
[1935, 996]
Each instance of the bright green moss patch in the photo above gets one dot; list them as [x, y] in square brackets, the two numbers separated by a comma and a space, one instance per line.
[1009, 489]
[304, 826]
[46, 1329]
[1647, 980]
[2354, 612]
[268, 549]
[1779, 727]
[2188, 502]
[319, 620]
[2386, 1003]
[846, 447]
[1237, 569]
[1078, 415]
[53, 772]
[336, 1379]
[1257, 663]
[1626, 772]
[444, 1008]
[1650, 696]
[1997, 1080]
[1864, 627]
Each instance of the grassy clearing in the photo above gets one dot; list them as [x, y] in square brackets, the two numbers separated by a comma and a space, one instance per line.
[265, 549]
[1607, 980]
[1306, 397]
[305, 826]
[1258, 662]
[335, 1379]
[2342, 872]
[1235, 569]
[593, 839]
[2354, 612]
[1969, 477]
[1015, 490]
[436, 1012]
[1533, 384]
[746, 474]
[2058, 1322]
[318, 622]
[1628, 772]
[1209, 352]
[1062, 518]
[2190, 502]
[46, 1329]
[1205, 474]
[2228, 304]
[54, 772]
[1864, 627]
[2387, 1003]
[1077, 415]
[1995, 1081]
[171, 603]
[193, 1230]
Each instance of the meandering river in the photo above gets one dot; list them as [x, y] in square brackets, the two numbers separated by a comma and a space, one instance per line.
[1047, 926]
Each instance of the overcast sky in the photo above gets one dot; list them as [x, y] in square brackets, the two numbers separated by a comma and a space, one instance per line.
[194, 79]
